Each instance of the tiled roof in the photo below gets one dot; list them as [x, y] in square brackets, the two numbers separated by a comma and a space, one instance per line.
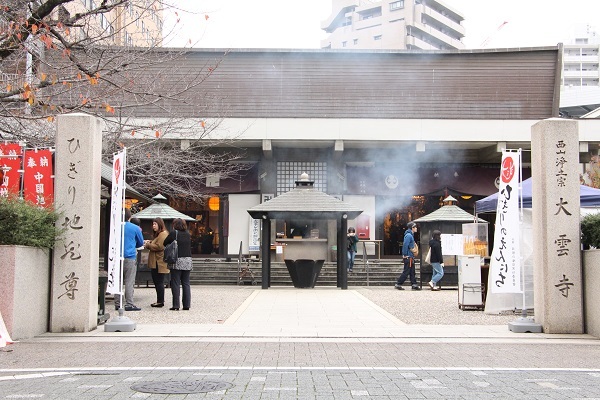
[163, 211]
[304, 201]
[449, 213]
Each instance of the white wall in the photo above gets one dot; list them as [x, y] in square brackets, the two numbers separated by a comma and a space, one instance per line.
[239, 221]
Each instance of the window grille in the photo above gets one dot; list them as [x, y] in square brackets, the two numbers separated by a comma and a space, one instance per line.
[288, 172]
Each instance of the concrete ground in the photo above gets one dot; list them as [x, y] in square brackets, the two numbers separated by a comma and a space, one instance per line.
[241, 342]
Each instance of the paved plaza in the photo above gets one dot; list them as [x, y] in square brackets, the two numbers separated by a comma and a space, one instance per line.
[241, 342]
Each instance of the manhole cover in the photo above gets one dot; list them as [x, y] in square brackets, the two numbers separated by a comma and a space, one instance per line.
[181, 387]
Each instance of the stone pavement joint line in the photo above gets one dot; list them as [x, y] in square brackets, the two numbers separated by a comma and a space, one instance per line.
[478, 371]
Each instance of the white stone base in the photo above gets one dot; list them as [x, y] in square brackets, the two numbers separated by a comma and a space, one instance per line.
[24, 290]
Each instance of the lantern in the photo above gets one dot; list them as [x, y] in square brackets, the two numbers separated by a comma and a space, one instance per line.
[213, 204]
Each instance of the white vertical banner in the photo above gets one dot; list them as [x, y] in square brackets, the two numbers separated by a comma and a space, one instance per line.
[116, 224]
[254, 236]
[505, 263]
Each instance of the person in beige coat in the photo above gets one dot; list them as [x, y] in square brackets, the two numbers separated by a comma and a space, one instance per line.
[158, 267]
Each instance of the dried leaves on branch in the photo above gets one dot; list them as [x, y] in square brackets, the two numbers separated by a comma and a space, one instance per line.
[65, 56]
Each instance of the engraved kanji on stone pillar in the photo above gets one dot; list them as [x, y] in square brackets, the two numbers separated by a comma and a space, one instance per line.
[74, 294]
[555, 199]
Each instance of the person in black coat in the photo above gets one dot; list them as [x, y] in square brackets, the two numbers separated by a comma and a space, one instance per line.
[436, 260]
[180, 271]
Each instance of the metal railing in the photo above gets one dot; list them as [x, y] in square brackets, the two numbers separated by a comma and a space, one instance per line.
[366, 261]
[244, 271]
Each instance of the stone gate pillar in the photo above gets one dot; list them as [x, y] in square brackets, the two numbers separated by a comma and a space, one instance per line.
[558, 296]
[74, 291]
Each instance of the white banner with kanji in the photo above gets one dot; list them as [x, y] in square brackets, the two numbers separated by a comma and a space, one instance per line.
[116, 224]
[505, 263]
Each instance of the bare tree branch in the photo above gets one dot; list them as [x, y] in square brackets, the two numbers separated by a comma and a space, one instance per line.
[57, 56]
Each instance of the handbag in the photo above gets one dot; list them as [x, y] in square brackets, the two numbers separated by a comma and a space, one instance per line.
[428, 256]
[415, 250]
[171, 250]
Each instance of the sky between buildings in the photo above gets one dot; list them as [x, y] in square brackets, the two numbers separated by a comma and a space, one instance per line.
[297, 24]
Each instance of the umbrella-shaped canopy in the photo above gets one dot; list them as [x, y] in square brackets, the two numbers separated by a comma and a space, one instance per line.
[304, 201]
[163, 211]
[449, 212]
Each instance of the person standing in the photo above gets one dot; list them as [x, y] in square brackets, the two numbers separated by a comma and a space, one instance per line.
[436, 260]
[132, 239]
[180, 272]
[158, 267]
[352, 241]
[408, 258]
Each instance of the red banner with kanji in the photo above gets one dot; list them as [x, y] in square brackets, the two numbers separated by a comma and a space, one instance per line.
[10, 165]
[38, 186]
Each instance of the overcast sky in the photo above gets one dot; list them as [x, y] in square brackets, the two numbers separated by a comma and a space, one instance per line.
[297, 24]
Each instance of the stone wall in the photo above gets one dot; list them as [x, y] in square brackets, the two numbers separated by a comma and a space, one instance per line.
[591, 294]
[24, 290]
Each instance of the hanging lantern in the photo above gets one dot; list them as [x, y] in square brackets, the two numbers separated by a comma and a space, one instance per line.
[213, 204]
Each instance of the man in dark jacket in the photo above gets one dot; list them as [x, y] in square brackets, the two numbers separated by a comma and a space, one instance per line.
[408, 258]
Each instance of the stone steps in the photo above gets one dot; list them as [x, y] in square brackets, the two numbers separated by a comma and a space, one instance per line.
[219, 272]
[226, 273]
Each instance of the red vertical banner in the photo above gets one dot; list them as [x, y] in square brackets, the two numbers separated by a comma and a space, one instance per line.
[38, 185]
[10, 164]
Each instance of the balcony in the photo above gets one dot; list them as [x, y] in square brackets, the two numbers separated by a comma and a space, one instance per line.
[581, 74]
[441, 20]
[368, 7]
[580, 59]
[344, 5]
[412, 41]
[368, 23]
[436, 36]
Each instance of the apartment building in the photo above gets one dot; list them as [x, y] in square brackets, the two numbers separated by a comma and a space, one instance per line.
[581, 58]
[393, 24]
[580, 80]
[139, 23]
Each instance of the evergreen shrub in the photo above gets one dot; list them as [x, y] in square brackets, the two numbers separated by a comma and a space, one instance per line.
[23, 223]
[590, 231]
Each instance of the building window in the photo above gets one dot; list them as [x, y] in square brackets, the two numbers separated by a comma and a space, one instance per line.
[355, 42]
[289, 172]
[344, 44]
[377, 37]
[396, 5]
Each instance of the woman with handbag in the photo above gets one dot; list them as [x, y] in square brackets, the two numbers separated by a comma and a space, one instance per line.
[158, 267]
[180, 271]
